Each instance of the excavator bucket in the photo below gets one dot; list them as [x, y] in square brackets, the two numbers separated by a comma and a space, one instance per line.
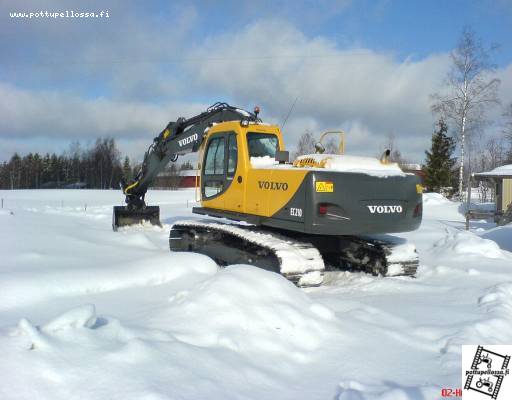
[122, 216]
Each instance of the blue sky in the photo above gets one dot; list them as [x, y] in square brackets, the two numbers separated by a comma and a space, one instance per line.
[365, 66]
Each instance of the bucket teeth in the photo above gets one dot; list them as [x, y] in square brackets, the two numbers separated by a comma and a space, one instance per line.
[123, 216]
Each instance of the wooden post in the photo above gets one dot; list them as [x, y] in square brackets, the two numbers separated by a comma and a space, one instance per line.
[2, 203]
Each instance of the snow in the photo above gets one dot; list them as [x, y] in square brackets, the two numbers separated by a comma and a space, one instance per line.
[336, 162]
[356, 164]
[92, 314]
[263, 161]
[504, 170]
[243, 112]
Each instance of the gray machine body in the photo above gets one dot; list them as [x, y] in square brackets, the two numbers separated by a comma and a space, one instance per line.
[359, 204]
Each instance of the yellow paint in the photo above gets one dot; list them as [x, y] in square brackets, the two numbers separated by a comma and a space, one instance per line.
[507, 194]
[419, 188]
[269, 190]
[324, 187]
[262, 191]
[130, 187]
[310, 162]
[166, 133]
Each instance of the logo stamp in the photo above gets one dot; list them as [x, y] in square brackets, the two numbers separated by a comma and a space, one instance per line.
[385, 209]
[187, 140]
[485, 372]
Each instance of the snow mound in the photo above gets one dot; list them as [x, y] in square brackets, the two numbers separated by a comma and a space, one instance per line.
[41, 337]
[502, 235]
[434, 199]
[468, 244]
[248, 309]
[354, 390]
[498, 300]
[356, 164]
[45, 280]
[79, 317]
[493, 326]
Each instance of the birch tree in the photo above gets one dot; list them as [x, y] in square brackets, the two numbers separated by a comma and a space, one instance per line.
[508, 132]
[471, 90]
[508, 122]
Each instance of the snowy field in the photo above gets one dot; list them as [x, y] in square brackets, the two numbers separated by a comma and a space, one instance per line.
[86, 313]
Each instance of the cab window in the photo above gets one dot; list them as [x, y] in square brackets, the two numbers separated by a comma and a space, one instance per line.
[214, 164]
[262, 144]
[232, 155]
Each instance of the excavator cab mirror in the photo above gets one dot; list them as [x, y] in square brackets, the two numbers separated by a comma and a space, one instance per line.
[282, 156]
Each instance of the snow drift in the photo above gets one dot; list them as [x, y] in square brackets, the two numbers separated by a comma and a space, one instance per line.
[86, 313]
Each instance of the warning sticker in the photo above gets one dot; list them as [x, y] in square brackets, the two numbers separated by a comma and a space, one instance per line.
[324, 187]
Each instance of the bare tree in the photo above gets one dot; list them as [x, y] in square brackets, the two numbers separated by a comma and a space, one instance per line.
[395, 154]
[471, 90]
[508, 132]
[306, 144]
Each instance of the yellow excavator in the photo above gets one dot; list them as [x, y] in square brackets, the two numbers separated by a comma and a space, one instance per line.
[321, 212]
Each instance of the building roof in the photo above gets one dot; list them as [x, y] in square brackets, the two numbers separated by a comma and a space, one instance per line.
[183, 172]
[505, 171]
[411, 167]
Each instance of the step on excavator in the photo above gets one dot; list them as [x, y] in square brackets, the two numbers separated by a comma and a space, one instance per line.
[322, 212]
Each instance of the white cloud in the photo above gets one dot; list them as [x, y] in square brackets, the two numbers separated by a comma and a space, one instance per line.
[272, 63]
[32, 117]
[369, 94]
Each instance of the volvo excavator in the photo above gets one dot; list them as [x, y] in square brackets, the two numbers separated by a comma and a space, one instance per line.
[322, 212]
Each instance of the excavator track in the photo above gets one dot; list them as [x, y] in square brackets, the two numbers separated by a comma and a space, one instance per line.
[384, 256]
[299, 262]
[296, 259]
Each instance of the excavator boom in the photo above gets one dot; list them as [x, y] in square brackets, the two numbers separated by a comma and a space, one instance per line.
[180, 137]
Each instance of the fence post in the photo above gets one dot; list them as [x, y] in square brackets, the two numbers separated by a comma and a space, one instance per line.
[2, 203]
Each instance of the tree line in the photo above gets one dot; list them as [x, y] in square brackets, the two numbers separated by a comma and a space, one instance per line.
[98, 166]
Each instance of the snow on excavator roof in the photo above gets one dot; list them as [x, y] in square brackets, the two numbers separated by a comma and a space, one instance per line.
[356, 164]
[336, 162]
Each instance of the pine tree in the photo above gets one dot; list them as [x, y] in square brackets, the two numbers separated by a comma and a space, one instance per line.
[439, 166]
[127, 170]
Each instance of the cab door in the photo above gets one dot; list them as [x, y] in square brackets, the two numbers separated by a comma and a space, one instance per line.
[218, 174]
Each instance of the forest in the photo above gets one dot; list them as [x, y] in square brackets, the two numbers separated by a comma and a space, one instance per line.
[96, 167]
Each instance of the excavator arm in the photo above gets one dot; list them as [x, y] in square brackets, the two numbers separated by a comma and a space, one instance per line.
[180, 137]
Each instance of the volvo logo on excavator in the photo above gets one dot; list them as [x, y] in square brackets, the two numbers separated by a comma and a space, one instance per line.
[273, 185]
[187, 140]
[385, 209]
